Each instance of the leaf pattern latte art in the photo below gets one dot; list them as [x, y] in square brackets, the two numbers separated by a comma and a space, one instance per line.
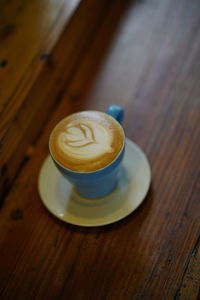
[85, 140]
[79, 136]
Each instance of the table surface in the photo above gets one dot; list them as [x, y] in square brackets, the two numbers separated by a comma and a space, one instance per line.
[145, 56]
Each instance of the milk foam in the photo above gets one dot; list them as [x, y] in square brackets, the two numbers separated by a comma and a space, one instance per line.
[85, 139]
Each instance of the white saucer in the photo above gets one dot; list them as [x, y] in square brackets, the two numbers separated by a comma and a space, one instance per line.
[60, 199]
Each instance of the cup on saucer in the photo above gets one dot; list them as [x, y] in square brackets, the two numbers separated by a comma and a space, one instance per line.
[89, 179]
[88, 147]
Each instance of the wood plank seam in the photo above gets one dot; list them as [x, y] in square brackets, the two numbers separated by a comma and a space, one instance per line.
[190, 257]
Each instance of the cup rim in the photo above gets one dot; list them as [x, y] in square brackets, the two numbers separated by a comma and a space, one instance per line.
[98, 170]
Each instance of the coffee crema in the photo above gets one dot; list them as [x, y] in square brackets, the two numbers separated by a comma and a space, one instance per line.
[86, 141]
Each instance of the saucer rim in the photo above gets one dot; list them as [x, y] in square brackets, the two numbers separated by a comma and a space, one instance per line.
[129, 143]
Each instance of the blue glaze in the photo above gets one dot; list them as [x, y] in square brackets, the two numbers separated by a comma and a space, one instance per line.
[98, 183]
[116, 112]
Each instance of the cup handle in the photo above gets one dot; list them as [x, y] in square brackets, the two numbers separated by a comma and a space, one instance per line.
[116, 112]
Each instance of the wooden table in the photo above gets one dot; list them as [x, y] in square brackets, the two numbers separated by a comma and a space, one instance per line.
[145, 56]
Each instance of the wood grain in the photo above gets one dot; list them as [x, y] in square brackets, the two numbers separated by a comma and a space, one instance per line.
[151, 67]
[28, 32]
[48, 89]
[189, 288]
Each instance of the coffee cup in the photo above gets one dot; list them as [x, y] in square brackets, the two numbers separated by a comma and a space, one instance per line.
[87, 148]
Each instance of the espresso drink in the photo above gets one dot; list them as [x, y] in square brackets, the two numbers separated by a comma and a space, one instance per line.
[86, 141]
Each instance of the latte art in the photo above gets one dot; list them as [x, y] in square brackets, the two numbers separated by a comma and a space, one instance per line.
[86, 141]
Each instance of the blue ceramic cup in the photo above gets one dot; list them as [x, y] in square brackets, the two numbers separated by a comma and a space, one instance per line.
[101, 182]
